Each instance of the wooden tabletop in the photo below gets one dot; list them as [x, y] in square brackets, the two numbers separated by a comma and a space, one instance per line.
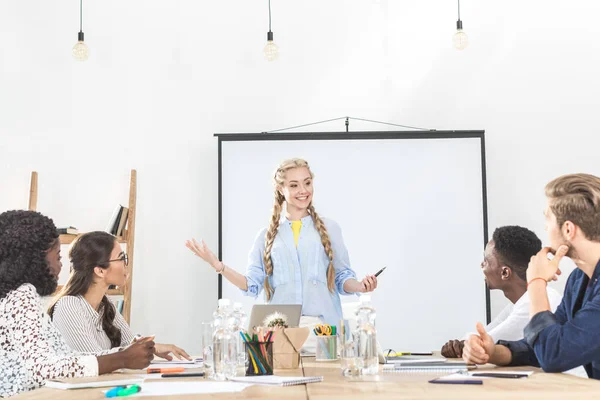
[540, 385]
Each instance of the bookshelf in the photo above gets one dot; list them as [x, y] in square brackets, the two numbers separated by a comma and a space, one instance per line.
[128, 238]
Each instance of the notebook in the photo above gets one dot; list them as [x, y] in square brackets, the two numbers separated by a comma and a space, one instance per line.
[483, 374]
[446, 367]
[277, 380]
[82, 383]
[415, 361]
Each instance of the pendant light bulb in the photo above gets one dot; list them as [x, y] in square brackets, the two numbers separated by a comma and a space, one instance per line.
[271, 50]
[81, 52]
[460, 38]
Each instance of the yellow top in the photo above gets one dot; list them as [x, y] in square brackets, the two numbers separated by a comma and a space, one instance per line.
[296, 226]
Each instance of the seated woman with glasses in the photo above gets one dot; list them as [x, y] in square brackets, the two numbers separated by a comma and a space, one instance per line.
[83, 313]
[32, 350]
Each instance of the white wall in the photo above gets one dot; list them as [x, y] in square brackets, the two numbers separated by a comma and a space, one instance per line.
[164, 76]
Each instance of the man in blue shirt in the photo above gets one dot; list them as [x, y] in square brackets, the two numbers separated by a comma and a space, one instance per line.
[569, 337]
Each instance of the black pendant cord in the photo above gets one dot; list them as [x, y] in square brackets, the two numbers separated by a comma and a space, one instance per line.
[269, 15]
[459, 10]
[80, 15]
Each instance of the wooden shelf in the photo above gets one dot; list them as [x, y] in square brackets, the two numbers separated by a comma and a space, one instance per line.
[128, 237]
[68, 239]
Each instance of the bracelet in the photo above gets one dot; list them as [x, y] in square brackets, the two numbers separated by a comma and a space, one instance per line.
[220, 271]
[535, 279]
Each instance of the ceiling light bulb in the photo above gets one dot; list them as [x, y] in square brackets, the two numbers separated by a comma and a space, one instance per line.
[460, 39]
[81, 51]
[271, 50]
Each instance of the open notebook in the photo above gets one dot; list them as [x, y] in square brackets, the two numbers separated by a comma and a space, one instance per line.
[277, 380]
[448, 367]
[92, 382]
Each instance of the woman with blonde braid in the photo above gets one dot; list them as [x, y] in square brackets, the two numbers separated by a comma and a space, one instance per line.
[300, 258]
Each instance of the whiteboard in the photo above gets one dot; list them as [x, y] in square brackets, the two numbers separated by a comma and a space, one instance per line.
[412, 202]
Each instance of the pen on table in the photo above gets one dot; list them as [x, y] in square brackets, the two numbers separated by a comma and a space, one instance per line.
[183, 375]
[497, 375]
[164, 370]
[458, 381]
[408, 353]
[121, 391]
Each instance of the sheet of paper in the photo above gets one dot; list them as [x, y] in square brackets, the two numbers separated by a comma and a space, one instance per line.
[407, 361]
[169, 365]
[177, 362]
[460, 377]
[277, 380]
[503, 372]
[80, 383]
[469, 375]
[174, 388]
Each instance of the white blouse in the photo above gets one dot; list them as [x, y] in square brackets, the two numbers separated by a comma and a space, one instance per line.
[81, 326]
[32, 350]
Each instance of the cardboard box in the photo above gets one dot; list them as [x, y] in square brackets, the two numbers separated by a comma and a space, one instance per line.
[287, 343]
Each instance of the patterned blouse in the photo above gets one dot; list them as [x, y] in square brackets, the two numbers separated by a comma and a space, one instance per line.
[31, 348]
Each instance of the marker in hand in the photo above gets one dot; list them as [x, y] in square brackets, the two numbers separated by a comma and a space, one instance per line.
[376, 275]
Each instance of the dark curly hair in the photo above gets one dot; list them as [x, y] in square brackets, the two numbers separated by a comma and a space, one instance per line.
[89, 251]
[25, 237]
[514, 246]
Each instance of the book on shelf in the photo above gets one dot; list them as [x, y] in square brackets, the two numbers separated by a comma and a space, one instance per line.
[69, 230]
[117, 221]
[122, 221]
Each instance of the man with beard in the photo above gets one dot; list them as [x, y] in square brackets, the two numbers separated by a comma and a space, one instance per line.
[569, 337]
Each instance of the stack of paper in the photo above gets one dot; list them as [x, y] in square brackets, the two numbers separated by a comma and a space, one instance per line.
[195, 363]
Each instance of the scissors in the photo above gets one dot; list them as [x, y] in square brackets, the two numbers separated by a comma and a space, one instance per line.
[323, 330]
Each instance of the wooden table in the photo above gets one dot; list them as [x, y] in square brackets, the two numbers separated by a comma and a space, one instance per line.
[386, 385]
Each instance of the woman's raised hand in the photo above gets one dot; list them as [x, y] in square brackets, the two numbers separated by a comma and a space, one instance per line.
[201, 250]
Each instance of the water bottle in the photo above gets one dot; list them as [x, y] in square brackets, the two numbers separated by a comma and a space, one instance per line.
[224, 348]
[241, 321]
[367, 360]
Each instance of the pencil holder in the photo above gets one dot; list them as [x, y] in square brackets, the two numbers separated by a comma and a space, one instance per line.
[326, 348]
[260, 358]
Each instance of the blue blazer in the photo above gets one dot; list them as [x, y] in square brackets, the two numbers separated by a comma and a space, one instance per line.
[568, 338]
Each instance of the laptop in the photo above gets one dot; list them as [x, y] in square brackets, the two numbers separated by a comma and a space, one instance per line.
[261, 311]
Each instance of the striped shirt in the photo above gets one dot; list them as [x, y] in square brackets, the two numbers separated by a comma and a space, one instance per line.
[81, 326]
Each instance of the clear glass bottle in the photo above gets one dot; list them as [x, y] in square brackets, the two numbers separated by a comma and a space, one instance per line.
[224, 354]
[367, 360]
[241, 322]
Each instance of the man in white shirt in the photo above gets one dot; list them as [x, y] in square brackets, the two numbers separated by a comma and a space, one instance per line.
[504, 266]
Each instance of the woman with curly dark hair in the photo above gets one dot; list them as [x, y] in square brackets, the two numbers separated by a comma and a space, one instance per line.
[83, 313]
[32, 350]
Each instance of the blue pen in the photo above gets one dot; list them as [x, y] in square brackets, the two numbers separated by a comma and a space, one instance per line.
[114, 391]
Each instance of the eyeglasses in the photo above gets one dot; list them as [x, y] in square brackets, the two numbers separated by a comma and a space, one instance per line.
[123, 258]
